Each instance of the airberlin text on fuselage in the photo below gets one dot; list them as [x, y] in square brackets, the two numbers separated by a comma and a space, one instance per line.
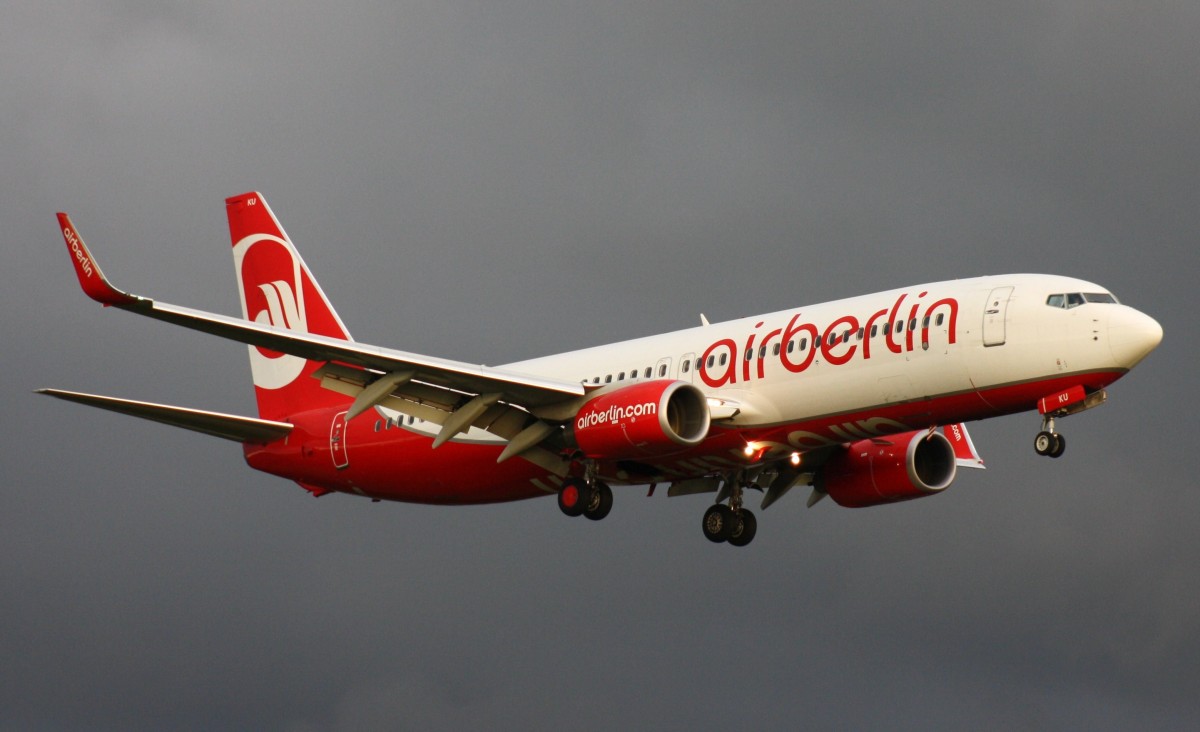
[836, 350]
[84, 263]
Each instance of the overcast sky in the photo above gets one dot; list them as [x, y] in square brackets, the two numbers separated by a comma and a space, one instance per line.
[491, 181]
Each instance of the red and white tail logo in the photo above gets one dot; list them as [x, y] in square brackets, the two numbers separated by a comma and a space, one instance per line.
[277, 289]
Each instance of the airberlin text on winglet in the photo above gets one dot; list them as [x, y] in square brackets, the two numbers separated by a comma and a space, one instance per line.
[85, 262]
[831, 348]
[91, 279]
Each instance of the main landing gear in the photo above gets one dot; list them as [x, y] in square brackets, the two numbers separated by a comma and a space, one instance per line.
[1049, 442]
[591, 498]
[730, 523]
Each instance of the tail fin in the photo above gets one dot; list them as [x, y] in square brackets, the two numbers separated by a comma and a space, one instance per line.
[277, 288]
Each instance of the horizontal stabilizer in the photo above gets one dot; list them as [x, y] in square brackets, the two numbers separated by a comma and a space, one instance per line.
[227, 426]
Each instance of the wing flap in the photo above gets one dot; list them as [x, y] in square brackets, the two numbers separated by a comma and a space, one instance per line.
[217, 424]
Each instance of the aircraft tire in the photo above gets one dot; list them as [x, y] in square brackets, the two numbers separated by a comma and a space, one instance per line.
[573, 497]
[601, 502]
[718, 523]
[1060, 446]
[745, 526]
[1044, 443]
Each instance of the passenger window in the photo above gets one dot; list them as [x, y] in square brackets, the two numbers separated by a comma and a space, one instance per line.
[662, 370]
[775, 350]
[940, 319]
[861, 333]
[762, 352]
[874, 330]
[621, 376]
[711, 361]
[648, 372]
[846, 336]
[685, 366]
[803, 344]
[791, 346]
[378, 424]
[608, 378]
[899, 326]
[724, 358]
[912, 324]
[925, 322]
[749, 355]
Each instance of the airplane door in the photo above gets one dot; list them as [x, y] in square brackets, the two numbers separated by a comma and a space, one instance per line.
[687, 367]
[662, 369]
[337, 441]
[994, 313]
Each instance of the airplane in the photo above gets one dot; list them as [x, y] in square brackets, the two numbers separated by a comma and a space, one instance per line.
[864, 399]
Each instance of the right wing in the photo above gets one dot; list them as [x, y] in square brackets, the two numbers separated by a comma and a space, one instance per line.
[524, 389]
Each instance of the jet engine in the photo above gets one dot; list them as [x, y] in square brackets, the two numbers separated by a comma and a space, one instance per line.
[647, 419]
[889, 469]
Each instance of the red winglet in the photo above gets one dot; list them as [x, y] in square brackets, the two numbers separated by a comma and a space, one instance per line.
[94, 284]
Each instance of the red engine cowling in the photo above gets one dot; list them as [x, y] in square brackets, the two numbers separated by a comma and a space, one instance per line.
[648, 419]
[890, 469]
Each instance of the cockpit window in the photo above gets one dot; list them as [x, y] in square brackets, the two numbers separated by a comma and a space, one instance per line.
[1075, 299]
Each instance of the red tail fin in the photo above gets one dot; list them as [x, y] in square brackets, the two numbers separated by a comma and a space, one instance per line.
[278, 289]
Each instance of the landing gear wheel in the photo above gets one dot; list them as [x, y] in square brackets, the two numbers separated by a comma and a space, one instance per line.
[573, 497]
[745, 526]
[600, 503]
[1060, 446]
[1044, 443]
[718, 523]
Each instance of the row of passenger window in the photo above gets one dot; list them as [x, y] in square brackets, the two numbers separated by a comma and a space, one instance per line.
[633, 374]
[792, 346]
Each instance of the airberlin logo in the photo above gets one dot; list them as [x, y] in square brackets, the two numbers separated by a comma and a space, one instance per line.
[81, 256]
[272, 294]
[283, 310]
[615, 414]
[796, 344]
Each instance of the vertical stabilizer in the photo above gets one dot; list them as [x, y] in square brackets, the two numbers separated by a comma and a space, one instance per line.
[277, 289]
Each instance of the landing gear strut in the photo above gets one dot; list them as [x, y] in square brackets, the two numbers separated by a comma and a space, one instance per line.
[589, 496]
[1049, 442]
[730, 523]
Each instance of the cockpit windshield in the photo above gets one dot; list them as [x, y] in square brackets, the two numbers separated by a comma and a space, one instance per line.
[1070, 300]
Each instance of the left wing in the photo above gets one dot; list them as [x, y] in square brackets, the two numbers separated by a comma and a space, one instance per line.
[227, 426]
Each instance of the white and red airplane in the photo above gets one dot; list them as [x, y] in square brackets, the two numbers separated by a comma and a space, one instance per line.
[864, 399]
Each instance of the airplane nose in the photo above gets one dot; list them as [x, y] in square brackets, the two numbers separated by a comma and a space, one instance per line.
[1132, 335]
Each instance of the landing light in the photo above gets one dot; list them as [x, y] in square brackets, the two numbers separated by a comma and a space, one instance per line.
[795, 458]
[751, 448]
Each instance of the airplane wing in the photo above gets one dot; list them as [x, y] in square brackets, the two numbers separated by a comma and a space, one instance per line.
[227, 426]
[527, 390]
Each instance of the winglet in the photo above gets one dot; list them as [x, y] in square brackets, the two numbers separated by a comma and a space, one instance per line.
[91, 279]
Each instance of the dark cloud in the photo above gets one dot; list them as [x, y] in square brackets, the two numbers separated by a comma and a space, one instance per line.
[494, 181]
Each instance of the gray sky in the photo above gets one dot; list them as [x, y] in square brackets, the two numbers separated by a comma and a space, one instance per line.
[491, 181]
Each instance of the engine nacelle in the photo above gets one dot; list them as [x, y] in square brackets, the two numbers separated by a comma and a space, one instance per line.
[648, 419]
[889, 469]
